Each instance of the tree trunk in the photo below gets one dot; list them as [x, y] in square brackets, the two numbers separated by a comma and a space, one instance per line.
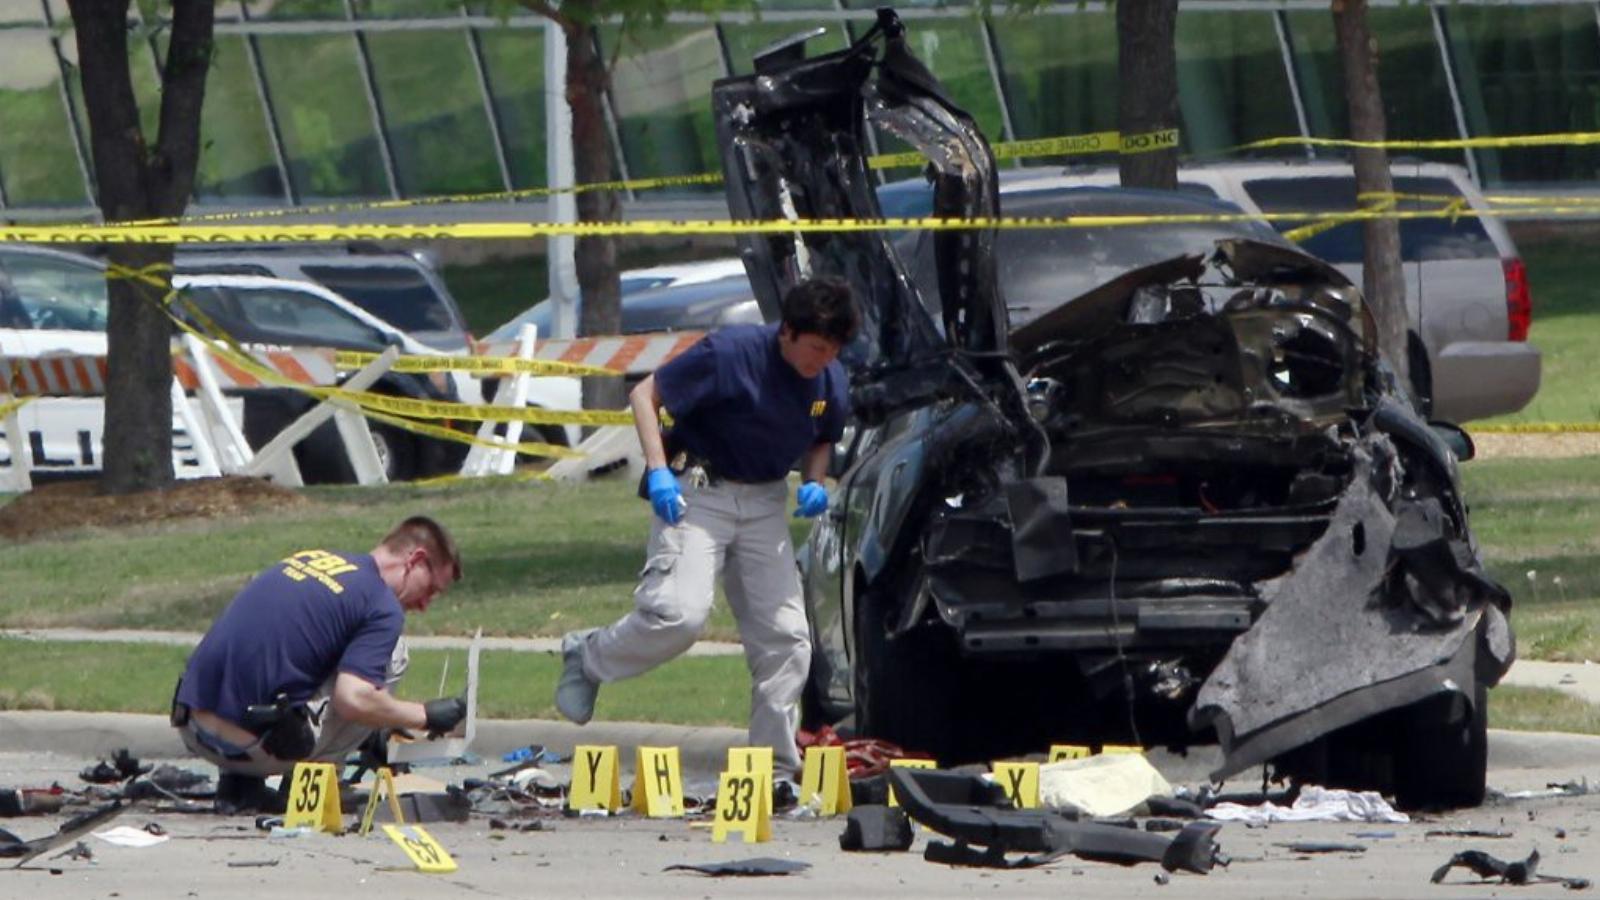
[137, 182]
[1147, 88]
[1383, 280]
[595, 256]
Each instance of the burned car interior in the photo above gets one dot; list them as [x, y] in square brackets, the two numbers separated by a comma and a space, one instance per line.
[1192, 505]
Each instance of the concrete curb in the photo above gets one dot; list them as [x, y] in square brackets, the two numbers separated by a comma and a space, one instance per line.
[98, 734]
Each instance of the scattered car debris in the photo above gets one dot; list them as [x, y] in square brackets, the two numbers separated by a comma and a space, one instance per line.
[252, 863]
[975, 811]
[122, 766]
[1567, 789]
[1467, 833]
[503, 825]
[1522, 871]
[876, 828]
[1311, 847]
[31, 801]
[170, 783]
[70, 831]
[761, 865]
[1314, 804]
[78, 851]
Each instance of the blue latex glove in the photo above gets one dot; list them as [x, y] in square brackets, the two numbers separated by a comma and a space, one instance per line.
[813, 500]
[665, 496]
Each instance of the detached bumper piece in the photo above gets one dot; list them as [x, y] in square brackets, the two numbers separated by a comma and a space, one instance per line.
[977, 815]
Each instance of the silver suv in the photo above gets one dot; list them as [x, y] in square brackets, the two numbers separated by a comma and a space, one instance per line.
[1466, 288]
[402, 288]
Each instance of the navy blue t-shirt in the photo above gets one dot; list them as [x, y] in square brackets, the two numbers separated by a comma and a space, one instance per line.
[736, 402]
[303, 619]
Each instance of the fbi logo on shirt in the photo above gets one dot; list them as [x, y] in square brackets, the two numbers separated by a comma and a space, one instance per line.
[818, 407]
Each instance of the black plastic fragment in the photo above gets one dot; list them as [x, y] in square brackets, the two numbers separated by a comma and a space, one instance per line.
[1322, 847]
[761, 865]
[876, 828]
[1521, 871]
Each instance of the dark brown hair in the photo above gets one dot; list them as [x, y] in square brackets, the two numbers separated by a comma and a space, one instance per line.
[821, 306]
[424, 532]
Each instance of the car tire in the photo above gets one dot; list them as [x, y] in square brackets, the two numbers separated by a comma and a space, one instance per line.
[397, 450]
[1443, 753]
[904, 686]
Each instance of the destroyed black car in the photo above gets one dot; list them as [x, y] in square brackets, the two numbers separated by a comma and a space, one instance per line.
[1190, 505]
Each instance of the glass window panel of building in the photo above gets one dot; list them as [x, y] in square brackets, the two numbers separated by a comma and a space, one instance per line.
[661, 91]
[405, 9]
[146, 88]
[1060, 72]
[433, 107]
[1232, 85]
[514, 58]
[292, 10]
[745, 40]
[1528, 70]
[1416, 95]
[323, 115]
[236, 160]
[27, 12]
[38, 165]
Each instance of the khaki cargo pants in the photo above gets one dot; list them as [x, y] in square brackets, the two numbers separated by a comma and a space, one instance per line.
[740, 531]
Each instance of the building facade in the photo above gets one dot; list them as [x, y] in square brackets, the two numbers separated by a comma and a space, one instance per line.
[349, 100]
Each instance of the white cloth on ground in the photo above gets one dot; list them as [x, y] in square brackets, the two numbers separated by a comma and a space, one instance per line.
[1315, 804]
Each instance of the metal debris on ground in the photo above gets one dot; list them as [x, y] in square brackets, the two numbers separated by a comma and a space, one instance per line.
[876, 828]
[252, 863]
[1309, 847]
[70, 831]
[974, 811]
[761, 865]
[31, 801]
[120, 767]
[1468, 833]
[1522, 871]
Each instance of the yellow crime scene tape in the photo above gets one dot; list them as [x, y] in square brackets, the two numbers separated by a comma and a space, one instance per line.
[1553, 139]
[1062, 145]
[478, 365]
[12, 406]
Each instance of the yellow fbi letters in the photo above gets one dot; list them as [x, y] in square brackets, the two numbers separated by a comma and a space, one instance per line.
[320, 565]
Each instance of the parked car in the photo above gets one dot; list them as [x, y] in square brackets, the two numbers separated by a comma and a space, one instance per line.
[1467, 290]
[55, 302]
[403, 288]
[269, 313]
[52, 302]
[686, 297]
[1189, 504]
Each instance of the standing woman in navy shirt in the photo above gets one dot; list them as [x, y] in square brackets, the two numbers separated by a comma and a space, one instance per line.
[746, 403]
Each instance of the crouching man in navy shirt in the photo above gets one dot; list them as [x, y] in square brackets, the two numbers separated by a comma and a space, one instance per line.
[300, 664]
[746, 403]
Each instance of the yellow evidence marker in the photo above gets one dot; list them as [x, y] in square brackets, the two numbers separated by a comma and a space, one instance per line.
[314, 798]
[658, 782]
[596, 779]
[382, 785]
[753, 761]
[907, 764]
[1059, 752]
[825, 775]
[425, 852]
[744, 805]
[1020, 781]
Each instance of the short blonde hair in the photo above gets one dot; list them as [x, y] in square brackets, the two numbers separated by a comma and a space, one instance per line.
[427, 533]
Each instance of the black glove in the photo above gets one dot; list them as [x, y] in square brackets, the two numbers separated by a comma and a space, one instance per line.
[444, 714]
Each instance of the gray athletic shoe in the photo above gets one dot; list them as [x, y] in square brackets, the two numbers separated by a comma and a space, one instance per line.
[576, 691]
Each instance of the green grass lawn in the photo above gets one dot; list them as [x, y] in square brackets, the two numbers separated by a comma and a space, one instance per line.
[103, 677]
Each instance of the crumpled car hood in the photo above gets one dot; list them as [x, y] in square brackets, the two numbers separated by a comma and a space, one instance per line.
[794, 147]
